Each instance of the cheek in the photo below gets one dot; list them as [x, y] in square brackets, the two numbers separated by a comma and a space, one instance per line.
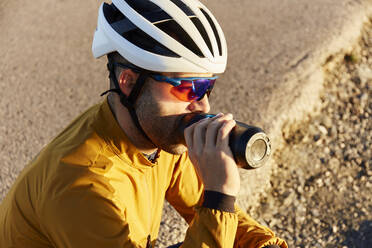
[163, 94]
[167, 103]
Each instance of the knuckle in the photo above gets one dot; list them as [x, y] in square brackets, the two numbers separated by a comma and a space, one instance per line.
[197, 155]
[223, 131]
[232, 122]
[197, 128]
[201, 124]
[209, 151]
[213, 124]
[218, 116]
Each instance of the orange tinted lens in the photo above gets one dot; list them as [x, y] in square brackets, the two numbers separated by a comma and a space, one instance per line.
[184, 91]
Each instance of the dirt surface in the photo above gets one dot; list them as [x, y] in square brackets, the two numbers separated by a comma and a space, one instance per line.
[321, 188]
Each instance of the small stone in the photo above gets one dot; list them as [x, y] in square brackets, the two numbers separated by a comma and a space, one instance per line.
[316, 137]
[365, 74]
[315, 212]
[300, 190]
[326, 150]
[363, 100]
[327, 121]
[312, 130]
[356, 79]
[319, 182]
[332, 131]
[323, 129]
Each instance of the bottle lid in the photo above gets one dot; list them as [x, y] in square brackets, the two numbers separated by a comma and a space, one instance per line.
[258, 150]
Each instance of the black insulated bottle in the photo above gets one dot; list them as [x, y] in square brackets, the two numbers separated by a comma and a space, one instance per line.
[250, 145]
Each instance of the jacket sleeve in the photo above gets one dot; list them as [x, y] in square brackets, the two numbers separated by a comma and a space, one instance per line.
[251, 234]
[83, 217]
[208, 226]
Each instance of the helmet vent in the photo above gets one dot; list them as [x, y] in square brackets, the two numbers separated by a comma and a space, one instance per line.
[146, 42]
[173, 29]
[122, 25]
[163, 21]
[111, 13]
[214, 30]
[203, 32]
[149, 10]
[183, 7]
[143, 6]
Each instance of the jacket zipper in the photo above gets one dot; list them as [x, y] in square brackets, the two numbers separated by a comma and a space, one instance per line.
[149, 245]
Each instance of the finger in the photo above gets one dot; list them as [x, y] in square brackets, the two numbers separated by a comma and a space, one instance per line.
[191, 127]
[212, 130]
[190, 130]
[189, 134]
[210, 118]
[199, 135]
[223, 133]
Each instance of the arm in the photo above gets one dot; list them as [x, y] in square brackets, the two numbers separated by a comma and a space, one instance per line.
[251, 234]
[216, 222]
[185, 194]
[186, 191]
[209, 224]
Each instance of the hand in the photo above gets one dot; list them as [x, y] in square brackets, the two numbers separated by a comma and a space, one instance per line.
[209, 151]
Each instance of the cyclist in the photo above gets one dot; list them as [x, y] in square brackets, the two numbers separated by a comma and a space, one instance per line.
[103, 180]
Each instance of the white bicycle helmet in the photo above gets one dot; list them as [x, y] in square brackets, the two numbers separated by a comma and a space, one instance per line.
[142, 32]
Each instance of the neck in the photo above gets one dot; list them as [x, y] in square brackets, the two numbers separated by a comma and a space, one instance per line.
[126, 123]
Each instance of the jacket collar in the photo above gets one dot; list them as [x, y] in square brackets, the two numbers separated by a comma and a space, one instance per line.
[118, 142]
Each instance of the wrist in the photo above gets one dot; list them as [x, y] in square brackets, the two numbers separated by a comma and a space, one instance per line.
[223, 189]
[219, 201]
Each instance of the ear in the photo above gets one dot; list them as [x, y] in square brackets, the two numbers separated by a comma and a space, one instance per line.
[127, 80]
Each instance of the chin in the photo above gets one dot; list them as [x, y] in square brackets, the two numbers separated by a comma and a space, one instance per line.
[176, 149]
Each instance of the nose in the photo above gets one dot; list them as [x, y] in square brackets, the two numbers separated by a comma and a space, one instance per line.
[200, 106]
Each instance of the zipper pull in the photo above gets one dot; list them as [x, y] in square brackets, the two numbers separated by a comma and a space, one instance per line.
[148, 245]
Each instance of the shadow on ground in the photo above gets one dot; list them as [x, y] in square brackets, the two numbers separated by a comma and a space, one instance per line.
[361, 238]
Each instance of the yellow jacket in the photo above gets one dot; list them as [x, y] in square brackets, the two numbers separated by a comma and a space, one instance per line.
[90, 187]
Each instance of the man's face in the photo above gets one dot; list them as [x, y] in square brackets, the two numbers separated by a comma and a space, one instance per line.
[159, 112]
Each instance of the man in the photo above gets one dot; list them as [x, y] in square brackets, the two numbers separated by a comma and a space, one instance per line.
[103, 180]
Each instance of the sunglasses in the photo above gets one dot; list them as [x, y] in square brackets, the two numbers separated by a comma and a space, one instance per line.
[188, 89]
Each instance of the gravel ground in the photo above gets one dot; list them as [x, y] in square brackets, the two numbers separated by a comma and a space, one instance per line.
[321, 193]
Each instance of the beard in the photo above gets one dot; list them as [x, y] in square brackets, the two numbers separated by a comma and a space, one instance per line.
[163, 129]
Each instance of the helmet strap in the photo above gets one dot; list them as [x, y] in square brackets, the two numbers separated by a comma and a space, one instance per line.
[129, 101]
